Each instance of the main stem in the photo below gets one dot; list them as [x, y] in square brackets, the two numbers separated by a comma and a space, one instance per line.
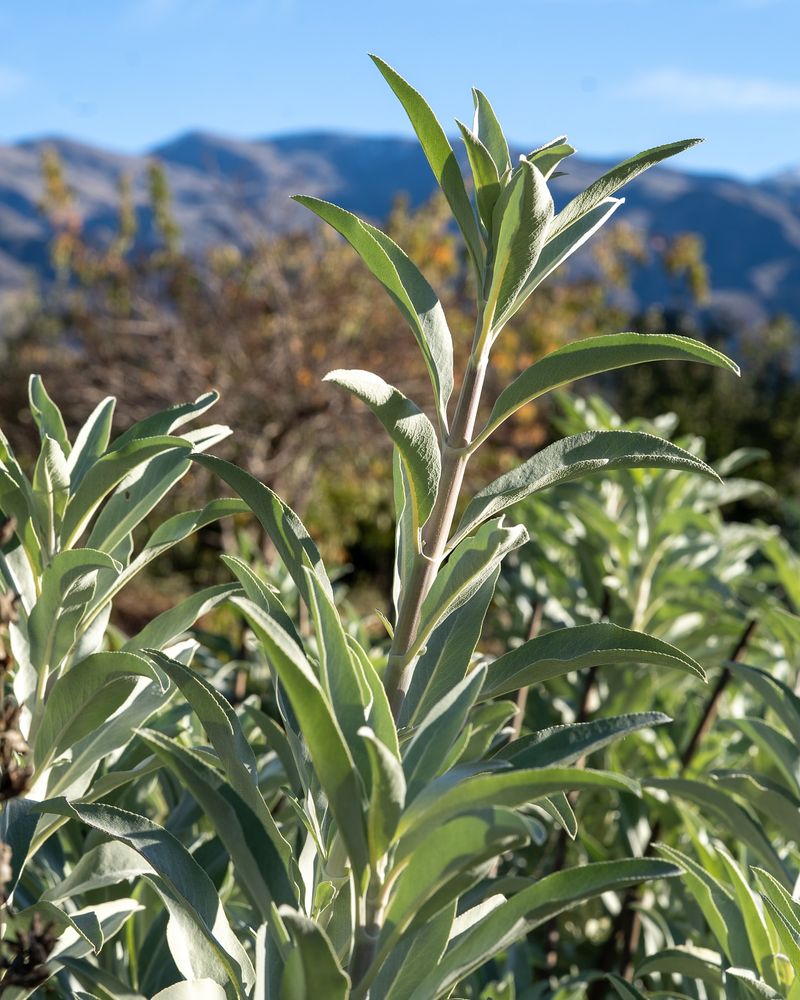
[367, 935]
[455, 455]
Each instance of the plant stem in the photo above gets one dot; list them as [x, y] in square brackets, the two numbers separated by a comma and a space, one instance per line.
[366, 944]
[522, 695]
[435, 533]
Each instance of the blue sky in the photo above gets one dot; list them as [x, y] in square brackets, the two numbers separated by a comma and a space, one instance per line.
[615, 75]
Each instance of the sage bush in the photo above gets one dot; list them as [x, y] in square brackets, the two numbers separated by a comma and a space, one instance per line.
[367, 824]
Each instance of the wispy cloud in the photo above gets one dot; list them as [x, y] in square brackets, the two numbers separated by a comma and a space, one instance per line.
[11, 82]
[713, 91]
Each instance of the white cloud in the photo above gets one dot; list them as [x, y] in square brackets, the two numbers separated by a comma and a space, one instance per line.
[713, 91]
[11, 82]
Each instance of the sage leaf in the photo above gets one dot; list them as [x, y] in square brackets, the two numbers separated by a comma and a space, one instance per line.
[410, 430]
[46, 415]
[737, 819]
[407, 287]
[520, 225]
[257, 865]
[189, 889]
[613, 180]
[285, 529]
[439, 154]
[563, 745]
[106, 473]
[530, 908]
[487, 129]
[329, 752]
[387, 796]
[465, 572]
[484, 175]
[85, 697]
[564, 650]
[572, 458]
[509, 788]
[312, 969]
[593, 356]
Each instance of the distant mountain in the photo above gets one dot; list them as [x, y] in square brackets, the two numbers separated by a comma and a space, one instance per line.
[234, 190]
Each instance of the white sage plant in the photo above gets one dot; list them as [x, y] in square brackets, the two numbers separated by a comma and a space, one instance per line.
[373, 828]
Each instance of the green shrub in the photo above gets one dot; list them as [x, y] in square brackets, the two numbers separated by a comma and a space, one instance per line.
[365, 829]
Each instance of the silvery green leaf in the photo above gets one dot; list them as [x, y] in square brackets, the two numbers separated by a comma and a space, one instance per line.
[694, 963]
[257, 864]
[572, 458]
[563, 245]
[406, 538]
[165, 628]
[530, 908]
[520, 226]
[379, 713]
[509, 788]
[625, 989]
[714, 801]
[487, 128]
[224, 731]
[92, 439]
[331, 757]
[563, 745]
[67, 587]
[197, 989]
[592, 356]
[484, 175]
[447, 861]
[184, 886]
[262, 594]
[168, 534]
[613, 180]
[407, 287]
[84, 698]
[547, 158]
[412, 432]
[166, 421]
[105, 985]
[768, 797]
[346, 691]
[753, 985]
[311, 969]
[285, 529]
[387, 795]
[448, 653]
[105, 474]
[441, 158]
[778, 696]
[563, 650]
[140, 491]
[471, 563]
[427, 753]
[413, 956]
[107, 864]
[46, 415]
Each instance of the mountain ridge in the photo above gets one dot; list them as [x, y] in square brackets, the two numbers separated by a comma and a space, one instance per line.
[228, 189]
